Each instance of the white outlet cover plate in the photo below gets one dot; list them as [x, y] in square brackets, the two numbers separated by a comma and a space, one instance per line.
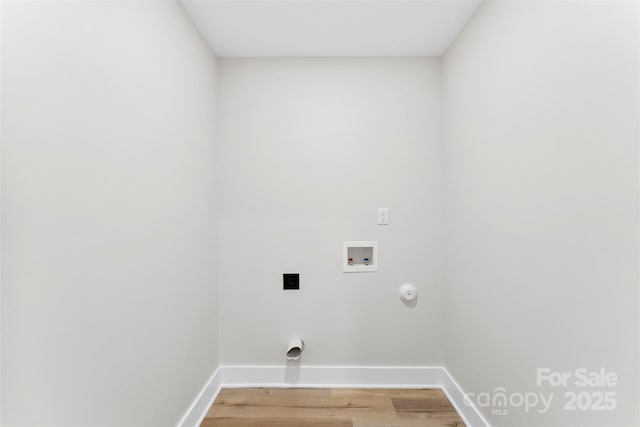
[383, 216]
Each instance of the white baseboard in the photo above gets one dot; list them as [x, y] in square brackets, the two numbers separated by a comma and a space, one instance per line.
[195, 414]
[466, 409]
[294, 375]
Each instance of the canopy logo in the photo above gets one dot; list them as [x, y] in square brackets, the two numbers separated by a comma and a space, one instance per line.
[499, 401]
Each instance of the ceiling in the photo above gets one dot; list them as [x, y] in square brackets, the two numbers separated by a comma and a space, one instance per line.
[294, 28]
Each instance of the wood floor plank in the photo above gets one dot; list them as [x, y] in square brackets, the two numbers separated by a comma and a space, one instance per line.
[408, 423]
[390, 392]
[412, 404]
[276, 422]
[296, 403]
[306, 407]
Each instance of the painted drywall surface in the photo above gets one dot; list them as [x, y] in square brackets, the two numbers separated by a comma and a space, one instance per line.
[312, 148]
[109, 298]
[1, 275]
[541, 159]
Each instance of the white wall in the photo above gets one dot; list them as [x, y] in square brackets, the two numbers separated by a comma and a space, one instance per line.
[311, 149]
[1, 273]
[541, 135]
[109, 308]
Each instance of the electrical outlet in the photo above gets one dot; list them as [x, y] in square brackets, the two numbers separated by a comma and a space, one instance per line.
[383, 216]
